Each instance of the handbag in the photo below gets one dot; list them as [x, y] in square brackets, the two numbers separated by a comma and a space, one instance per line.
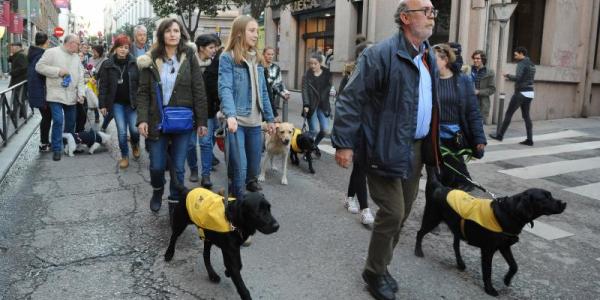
[174, 119]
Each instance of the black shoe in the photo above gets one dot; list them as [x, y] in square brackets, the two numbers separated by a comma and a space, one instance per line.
[391, 281]
[215, 161]
[527, 142]
[317, 152]
[44, 148]
[56, 156]
[194, 176]
[205, 183]
[253, 186]
[378, 286]
[156, 200]
[495, 136]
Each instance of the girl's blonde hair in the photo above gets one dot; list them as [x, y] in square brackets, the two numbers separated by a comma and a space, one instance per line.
[237, 40]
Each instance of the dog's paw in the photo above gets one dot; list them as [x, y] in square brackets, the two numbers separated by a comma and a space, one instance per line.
[508, 278]
[461, 265]
[419, 252]
[169, 255]
[284, 181]
[227, 273]
[490, 290]
[214, 278]
[261, 178]
[312, 171]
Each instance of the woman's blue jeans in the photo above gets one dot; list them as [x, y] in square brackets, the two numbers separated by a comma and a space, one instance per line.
[158, 159]
[126, 117]
[318, 118]
[206, 149]
[250, 141]
[58, 120]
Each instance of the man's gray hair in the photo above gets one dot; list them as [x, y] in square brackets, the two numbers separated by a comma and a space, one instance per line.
[70, 37]
[401, 8]
[140, 28]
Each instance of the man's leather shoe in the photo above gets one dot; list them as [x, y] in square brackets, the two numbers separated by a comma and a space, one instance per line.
[527, 143]
[391, 281]
[496, 136]
[378, 286]
[194, 176]
[156, 200]
[56, 156]
[253, 186]
[205, 183]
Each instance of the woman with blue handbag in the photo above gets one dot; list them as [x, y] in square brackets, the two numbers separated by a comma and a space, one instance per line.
[244, 101]
[171, 104]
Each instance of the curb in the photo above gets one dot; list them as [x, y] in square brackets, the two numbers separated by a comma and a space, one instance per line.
[17, 142]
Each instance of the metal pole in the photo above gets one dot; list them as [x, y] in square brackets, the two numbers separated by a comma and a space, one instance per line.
[29, 22]
[284, 110]
[501, 98]
[499, 74]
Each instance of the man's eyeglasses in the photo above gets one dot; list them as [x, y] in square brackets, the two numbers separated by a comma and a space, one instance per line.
[427, 11]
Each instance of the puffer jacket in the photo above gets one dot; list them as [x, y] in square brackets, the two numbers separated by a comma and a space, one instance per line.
[36, 82]
[524, 77]
[381, 99]
[188, 91]
[109, 76]
[314, 98]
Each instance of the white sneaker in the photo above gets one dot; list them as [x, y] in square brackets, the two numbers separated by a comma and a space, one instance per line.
[366, 217]
[351, 204]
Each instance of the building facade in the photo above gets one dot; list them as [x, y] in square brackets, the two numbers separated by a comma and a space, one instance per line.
[561, 37]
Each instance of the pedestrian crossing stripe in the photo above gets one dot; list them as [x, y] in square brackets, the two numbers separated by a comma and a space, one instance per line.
[539, 137]
[554, 168]
[590, 190]
[499, 155]
[546, 231]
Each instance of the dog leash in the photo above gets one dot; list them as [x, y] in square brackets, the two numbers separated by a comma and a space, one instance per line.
[473, 182]
[239, 159]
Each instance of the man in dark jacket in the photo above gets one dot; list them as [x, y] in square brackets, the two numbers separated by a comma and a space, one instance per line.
[390, 102]
[485, 82]
[36, 88]
[522, 97]
[18, 64]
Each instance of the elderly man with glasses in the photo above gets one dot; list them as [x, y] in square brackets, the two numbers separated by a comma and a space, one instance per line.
[388, 115]
[64, 87]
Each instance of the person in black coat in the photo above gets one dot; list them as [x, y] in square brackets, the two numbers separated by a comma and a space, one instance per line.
[461, 124]
[118, 89]
[36, 88]
[316, 89]
[18, 64]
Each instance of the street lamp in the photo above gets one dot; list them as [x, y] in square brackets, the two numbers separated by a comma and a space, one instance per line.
[502, 13]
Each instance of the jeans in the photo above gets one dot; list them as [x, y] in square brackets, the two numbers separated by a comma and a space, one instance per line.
[250, 141]
[58, 120]
[207, 144]
[518, 101]
[125, 116]
[206, 147]
[318, 118]
[158, 160]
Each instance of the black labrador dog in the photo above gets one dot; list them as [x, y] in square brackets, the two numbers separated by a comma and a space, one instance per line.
[507, 217]
[303, 143]
[246, 215]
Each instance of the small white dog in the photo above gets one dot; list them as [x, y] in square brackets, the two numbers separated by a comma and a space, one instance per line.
[277, 144]
[91, 139]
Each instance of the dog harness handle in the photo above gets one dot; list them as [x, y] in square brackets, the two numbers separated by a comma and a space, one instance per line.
[239, 159]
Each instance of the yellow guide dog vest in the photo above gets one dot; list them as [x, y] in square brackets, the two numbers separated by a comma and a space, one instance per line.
[477, 210]
[207, 211]
[295, 135]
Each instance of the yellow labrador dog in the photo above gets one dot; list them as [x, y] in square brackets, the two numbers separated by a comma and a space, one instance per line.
[277, 144]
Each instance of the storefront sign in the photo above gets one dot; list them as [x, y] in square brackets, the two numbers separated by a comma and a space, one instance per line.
[16, 26]
[5, 14]
[61, 3]
[305, 4]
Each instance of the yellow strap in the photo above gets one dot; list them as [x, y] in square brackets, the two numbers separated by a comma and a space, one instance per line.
[295, 146]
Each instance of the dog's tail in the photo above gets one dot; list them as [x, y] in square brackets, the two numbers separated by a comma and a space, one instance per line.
[105, 137]
[178, 185]
[433, 181]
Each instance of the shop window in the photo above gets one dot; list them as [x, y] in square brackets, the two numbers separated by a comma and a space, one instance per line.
[526, 29]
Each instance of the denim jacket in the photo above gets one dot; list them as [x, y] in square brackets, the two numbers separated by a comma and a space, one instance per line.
[235, 90]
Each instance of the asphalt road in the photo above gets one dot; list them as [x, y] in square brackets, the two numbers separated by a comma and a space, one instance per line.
[81, 229]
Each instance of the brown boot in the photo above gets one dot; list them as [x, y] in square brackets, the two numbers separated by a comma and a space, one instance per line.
[135, 150]
[124, 162]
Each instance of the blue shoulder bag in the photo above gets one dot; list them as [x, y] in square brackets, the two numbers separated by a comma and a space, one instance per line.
[174, 119]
